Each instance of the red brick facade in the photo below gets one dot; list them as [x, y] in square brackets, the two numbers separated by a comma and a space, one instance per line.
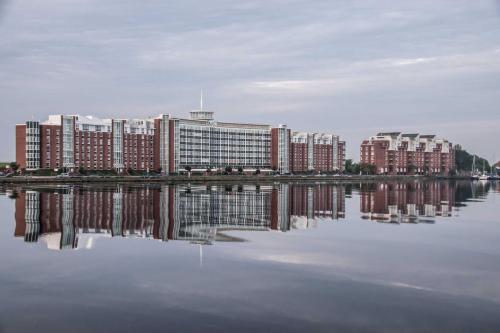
[396, 153]
[21, 146]
[87, 143]
[298, 157]
[50, 146]
[313, 152]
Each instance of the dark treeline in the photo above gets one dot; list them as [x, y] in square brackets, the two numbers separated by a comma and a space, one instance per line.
[464, 159]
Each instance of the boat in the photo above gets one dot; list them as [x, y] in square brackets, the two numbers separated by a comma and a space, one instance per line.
[474, 175]
[484, 177]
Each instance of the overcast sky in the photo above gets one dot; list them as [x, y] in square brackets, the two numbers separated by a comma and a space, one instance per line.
[348, 67]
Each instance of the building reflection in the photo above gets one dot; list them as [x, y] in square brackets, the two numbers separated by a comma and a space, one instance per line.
[73, 217]
[412, 202]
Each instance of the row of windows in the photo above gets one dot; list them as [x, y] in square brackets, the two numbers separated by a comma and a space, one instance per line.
[224, 151]
[224, 131]
[237, 137]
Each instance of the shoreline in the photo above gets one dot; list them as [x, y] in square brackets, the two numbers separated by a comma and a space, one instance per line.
[215, 178]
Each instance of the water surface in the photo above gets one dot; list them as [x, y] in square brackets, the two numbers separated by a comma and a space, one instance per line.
[363, 257]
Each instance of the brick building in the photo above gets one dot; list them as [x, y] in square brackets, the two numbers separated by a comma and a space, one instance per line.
[164, 143]
[397, 153]
[316, 152]
[170, 145]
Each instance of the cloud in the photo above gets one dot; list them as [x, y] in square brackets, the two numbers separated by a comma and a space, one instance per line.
[380, 74]
[415, 61]
[262, 61]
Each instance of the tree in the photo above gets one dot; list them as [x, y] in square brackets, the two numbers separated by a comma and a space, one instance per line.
[14, 166]
[257, 171]
[351, 167]
[348, 166]
[229, 169]
[367, 169]
[240, 170]
[464, 160]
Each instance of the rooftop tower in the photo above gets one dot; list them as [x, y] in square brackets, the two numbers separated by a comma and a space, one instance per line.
[201, 114]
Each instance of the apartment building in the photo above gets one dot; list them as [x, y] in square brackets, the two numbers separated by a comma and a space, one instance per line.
[316, 152]
[171, 145]
[164, 143]
[398, 153]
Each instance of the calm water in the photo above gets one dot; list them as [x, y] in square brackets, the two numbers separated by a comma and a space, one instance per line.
[374, 257]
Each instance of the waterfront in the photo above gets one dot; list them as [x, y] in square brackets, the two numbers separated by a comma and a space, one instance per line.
[383, 256]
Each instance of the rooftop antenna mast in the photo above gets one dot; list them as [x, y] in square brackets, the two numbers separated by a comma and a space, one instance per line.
[201, 100]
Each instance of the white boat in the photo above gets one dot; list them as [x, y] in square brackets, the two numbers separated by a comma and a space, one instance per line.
[484, 177]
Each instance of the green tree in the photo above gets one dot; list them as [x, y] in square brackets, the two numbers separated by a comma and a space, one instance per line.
[351, 167]
[464, 160]
[14, 166]
[367, 169]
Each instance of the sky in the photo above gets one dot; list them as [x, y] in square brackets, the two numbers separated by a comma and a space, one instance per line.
[353, 68]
